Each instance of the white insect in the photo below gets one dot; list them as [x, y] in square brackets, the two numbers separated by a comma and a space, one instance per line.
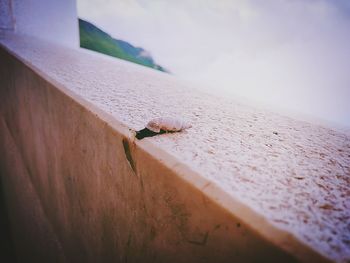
[167, 124]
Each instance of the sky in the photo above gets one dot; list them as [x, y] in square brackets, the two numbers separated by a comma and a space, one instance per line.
[289, 56]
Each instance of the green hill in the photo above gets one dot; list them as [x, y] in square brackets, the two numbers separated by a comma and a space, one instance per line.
[93, 38]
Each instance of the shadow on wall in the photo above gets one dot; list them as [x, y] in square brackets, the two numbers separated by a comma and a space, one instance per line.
[6, 246]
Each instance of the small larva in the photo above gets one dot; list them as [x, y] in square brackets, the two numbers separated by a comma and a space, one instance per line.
[162, 125]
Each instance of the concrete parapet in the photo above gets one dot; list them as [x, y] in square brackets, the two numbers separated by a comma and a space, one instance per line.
[80, 188]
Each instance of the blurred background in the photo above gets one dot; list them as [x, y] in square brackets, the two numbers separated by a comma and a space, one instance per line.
[289, 56]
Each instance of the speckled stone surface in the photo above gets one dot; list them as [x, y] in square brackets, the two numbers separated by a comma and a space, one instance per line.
[295, 174]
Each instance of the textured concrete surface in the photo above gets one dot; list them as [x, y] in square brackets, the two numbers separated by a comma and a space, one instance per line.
[285, 179]
[79, 190]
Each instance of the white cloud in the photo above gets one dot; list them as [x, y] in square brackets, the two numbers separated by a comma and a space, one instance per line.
[293, 55]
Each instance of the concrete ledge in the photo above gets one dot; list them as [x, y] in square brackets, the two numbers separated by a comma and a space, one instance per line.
[101, 195]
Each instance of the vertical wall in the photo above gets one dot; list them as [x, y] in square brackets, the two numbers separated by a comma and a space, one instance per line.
[79, 189]
[51, 20]
[6, 18]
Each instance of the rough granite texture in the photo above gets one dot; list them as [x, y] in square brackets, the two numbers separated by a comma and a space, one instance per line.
[294, 173]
